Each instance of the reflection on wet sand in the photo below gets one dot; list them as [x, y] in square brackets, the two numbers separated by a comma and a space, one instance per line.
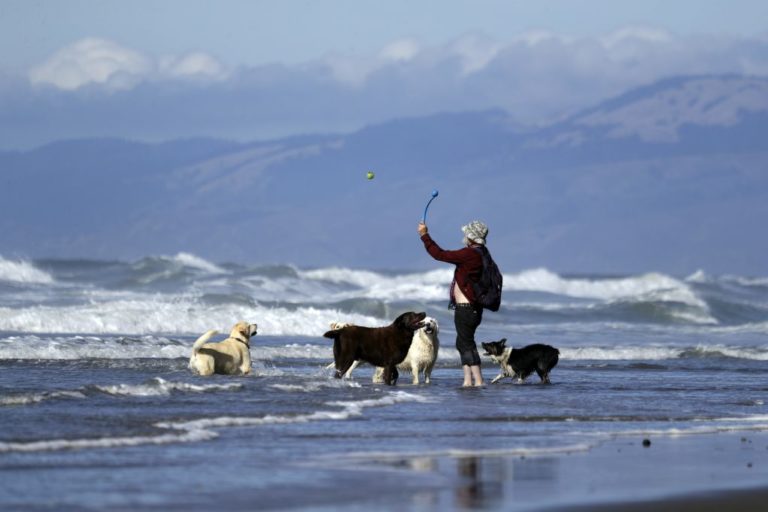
[482, 481]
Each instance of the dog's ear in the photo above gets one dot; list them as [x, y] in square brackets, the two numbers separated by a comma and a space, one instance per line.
[503, 341]
[244, 329]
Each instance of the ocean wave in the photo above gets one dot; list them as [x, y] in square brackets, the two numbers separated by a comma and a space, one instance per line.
[31, 346]
[23, 272]
[154, 387]
[146, 347]
[712, 426]
[168, 314]
[657, 353]
[675, 299]
[316, 385]
[201, 429]
[702, 277]
[185, 294]
[190, 260]
[651, 287]
[107, 442]
[34, 398]
[347, 409]
[162, 387]
[265, 351]
[425, 286]
[178, 262]
[179, 270]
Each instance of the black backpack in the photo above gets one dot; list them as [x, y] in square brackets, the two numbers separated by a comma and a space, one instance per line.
[488, 288]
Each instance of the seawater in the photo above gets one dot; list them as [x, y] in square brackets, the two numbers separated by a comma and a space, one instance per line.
[99, 409]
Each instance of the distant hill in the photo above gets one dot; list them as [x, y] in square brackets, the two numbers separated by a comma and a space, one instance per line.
[672, 177]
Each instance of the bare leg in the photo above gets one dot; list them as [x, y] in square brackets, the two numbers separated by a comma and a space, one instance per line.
[467, 376]
[477, 375]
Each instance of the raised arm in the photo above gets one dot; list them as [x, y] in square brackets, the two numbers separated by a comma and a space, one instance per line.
[456, 257]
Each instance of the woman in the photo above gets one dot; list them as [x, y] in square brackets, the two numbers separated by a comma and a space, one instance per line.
[467, 315]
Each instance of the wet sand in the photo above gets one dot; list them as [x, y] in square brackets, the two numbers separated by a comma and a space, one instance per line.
[692, 472]
[752, 500]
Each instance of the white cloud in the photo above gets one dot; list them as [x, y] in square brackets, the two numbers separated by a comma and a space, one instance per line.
[91, 61]
[401, 50]
[102, 62]
[197, 64]
[636, 34]
[535, 37]
[348, 70]
[354, 70]
[475, 51]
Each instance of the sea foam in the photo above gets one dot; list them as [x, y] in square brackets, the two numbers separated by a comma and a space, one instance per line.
[168, 314]
[162, 387]
[155, 387]
[646, 287]
[190, 260]
[202, 429]
[22, 272]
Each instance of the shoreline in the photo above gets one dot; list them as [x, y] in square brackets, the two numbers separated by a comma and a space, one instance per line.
[688, 472]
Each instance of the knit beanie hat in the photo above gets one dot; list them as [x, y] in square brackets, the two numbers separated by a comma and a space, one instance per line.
[475, 232]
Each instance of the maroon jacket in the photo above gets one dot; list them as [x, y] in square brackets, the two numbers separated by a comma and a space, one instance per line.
[469, 266]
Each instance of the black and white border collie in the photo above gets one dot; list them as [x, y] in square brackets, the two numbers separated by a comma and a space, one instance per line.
[521, 362]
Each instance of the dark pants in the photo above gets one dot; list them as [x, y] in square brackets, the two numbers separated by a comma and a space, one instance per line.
[467, 319]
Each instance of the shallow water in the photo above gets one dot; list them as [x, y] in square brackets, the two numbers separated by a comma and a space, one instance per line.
[100, 411]
[146, 433]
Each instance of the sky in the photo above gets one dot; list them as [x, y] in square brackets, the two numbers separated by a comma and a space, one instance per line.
[156, 70]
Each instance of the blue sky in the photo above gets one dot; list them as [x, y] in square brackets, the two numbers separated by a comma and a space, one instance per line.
[155, 70]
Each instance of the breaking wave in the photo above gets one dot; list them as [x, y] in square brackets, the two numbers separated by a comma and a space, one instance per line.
[186, 294]
[22, 272]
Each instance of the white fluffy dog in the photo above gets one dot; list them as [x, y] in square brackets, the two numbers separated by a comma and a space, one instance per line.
[230, 357]
[421, 356]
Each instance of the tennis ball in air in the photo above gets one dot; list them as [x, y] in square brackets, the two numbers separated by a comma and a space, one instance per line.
[370, 175]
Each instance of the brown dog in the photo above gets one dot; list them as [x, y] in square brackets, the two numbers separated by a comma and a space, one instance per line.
[379, 346]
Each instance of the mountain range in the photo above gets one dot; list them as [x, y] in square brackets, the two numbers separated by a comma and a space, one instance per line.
[669, 177]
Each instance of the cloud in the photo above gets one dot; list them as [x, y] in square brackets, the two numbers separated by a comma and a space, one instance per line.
[537, 76]
[92, 61]
[197, 64]
[475, 51]
[636, 34]
[401, 50]
[100, 62]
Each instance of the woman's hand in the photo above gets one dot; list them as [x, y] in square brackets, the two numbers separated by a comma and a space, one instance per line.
[423, 229]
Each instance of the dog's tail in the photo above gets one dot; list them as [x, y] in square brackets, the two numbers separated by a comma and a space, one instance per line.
[202, 340]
